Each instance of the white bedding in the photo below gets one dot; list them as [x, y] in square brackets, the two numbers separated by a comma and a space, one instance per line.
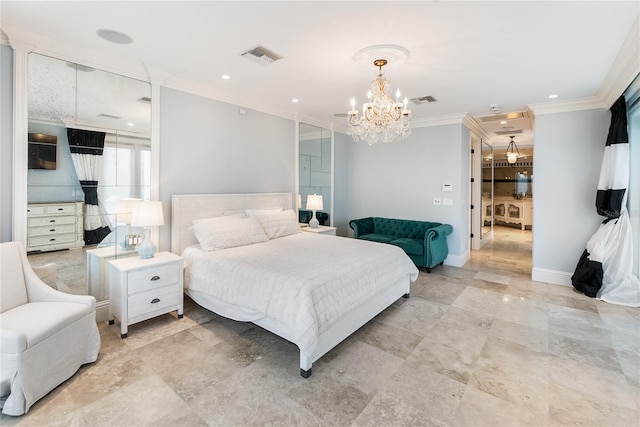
[306, 281]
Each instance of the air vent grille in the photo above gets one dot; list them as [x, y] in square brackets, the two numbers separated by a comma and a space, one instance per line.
[508, 132]
[261, 55]
[423, 100]
[500, 117]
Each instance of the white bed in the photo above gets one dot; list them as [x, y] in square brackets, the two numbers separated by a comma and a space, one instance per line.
[313, 290]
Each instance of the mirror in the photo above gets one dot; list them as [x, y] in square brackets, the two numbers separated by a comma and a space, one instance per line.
[487, 189]
[98, 126]
[314, 171]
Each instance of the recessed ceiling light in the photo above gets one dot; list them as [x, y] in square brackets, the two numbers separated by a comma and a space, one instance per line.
[504, 122]
[552, 96]
[114, 36]
[129, 124]
[295, 100]
[225, 77]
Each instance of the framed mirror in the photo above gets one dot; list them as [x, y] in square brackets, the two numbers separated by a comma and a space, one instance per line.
[97, 154]
[486, 218]
[314, 171]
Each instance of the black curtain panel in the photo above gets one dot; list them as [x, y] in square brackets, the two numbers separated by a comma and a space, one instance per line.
[86, 149]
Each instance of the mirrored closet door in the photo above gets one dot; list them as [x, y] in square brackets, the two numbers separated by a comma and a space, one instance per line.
[315, 171]
[89, 160]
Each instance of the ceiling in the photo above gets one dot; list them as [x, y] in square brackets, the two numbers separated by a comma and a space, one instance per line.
[470, 56]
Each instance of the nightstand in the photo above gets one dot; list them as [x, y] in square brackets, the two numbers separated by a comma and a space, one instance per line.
[322, 229]
[140, 289]
[97, 268]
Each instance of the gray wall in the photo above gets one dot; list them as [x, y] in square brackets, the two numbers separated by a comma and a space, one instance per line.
[61, 184]
[206, 146]
[401, 179]
[6, 142]
[340, 183]
[568, 150]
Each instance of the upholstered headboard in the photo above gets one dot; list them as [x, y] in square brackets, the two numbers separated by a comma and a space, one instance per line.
[187, 207]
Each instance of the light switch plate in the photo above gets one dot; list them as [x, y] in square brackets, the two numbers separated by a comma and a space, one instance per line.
[447, 202]
[447, 187]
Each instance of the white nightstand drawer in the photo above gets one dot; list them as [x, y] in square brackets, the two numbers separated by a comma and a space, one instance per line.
[145, 303]
[150, 278]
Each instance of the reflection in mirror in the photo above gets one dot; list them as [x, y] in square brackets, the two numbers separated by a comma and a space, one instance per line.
[100, 122]
[315, 171]
[487, 189]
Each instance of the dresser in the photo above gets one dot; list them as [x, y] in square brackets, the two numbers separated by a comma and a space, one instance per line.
[54, 226]
[140, 289]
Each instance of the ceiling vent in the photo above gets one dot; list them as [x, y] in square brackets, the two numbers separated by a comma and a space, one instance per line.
[261, 55]
[145, 100]
[500, 117]
[508, 132]
[423, 100]
[108, 116]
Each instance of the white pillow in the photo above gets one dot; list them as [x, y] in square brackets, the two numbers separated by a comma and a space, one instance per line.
[255, 212]
[279, 224]
[219, 219]
[224, 232]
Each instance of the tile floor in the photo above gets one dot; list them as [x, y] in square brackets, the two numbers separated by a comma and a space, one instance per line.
[481, 345]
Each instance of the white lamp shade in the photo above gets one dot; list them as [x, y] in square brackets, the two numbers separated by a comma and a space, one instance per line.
[147, 214]
[124, 209]
[314, 202]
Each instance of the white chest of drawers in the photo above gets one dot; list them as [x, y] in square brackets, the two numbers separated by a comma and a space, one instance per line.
[54, 226]
[140, 289]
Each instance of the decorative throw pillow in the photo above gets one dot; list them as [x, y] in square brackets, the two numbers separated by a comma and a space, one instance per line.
[224, 232]
[279, 224]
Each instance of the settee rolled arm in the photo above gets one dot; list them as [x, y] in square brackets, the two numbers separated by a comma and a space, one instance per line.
[361, 226]
[440, 230]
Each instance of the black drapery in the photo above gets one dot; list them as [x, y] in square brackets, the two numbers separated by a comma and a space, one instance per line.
[86, 149]
[605, 267]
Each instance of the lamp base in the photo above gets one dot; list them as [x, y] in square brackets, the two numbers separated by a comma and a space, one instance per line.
[313, 222]
[146, 248]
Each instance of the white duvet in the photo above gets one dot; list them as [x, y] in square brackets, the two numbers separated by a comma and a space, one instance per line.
[305, 281]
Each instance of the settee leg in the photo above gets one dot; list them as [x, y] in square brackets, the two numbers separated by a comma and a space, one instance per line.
[405, 295]
[428, 270]
[305, 374]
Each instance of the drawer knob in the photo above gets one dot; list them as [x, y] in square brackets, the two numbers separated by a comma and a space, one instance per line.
[154, 278]
[155, 300]
[52, 229]
[52, 220]
[60, 209]
[52, 240]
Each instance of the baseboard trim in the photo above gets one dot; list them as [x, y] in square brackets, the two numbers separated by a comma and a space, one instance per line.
[551, 276]
[102, 311]
[457, 260]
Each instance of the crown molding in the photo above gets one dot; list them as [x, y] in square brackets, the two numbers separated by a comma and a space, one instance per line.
[449, 119]
[590, 103]
[625, 68]
[476, 128]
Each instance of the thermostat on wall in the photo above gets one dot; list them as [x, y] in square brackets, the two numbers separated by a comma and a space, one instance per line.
[447, 187]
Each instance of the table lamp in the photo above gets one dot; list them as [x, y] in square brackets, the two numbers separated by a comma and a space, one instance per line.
[124, 212]
[147, 214]
[314, 203]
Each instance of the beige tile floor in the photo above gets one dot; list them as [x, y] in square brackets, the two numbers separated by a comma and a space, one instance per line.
[481, 345]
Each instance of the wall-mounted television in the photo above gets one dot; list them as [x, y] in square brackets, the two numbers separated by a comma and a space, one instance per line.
[42, 151]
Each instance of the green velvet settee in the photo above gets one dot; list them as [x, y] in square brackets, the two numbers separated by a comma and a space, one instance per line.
[425, 242]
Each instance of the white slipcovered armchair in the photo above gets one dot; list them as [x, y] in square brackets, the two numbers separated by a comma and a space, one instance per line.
[45, 335]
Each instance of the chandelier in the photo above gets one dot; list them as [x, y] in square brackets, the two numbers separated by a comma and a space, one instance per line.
[383, 120]
[512, 154]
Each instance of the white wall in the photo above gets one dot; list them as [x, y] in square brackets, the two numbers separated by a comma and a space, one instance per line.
[206, 146]
[568, 154]
[401, 179]
[6, 142]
